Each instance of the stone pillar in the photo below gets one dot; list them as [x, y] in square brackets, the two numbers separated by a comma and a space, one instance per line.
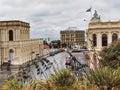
[109, 38]
[119, 35]
[0, 35]
[3, 55]
[5, 35]
[89, 39]
[3, 32]
[16, 35]
[99, 41]
[6, 54]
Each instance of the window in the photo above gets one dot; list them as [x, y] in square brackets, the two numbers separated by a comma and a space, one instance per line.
[104, 40]
[94, 40]
[10, 35]
[114, 37]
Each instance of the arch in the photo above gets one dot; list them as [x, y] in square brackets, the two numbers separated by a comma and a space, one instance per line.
[10, 35]
[104, 40]
[114, 37]
[94, 39]
[11, 52]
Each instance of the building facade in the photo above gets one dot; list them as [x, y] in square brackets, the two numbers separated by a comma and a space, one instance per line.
[102, 34]
[15, 42]
[72, 37]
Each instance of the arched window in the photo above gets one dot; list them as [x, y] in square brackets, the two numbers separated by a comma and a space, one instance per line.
[114, 37]
[104, 40]
[94, 40]
[10, 35]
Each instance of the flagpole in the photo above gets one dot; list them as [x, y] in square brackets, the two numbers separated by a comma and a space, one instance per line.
[91, 13]
[90, 10]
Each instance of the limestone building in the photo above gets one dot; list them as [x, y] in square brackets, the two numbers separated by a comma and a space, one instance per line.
[15, 42]
[72, 36]
[101, 34]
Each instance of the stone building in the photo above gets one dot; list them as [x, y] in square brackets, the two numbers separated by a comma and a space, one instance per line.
[15, 42]
[72, 36]
[101, 34]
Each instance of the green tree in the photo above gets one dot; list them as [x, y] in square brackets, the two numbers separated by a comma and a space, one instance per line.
[111, 56]
[105, 78]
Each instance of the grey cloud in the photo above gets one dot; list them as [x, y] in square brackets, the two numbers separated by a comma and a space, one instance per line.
[48, 17]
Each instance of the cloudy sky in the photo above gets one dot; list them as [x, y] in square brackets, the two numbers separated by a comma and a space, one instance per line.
[48, 17]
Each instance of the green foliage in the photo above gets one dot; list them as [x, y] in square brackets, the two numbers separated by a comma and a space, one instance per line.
[14, 85]
[105, 78]
[63, 79]
[42, 85]
[111, 56]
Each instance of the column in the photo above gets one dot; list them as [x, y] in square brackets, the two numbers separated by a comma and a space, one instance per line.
[119, 35]
[88, 40]
[19, 35]
[109, 38]
[99, 40]
[3, 32]
[6, 54]
[16, 36]
[1, 35]
[5, 35]
[3, 55]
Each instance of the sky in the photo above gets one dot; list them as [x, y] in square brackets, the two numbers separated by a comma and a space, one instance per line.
[48, 17]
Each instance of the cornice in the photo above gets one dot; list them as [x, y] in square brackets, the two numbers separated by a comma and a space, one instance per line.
[103, 28]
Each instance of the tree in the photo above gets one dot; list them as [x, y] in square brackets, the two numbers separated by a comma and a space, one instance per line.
[105, 78]
[111, 56]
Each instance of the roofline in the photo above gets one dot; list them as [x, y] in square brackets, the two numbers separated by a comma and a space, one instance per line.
[14, 21]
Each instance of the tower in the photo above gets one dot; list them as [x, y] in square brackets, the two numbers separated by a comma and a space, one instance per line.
[15, 42]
